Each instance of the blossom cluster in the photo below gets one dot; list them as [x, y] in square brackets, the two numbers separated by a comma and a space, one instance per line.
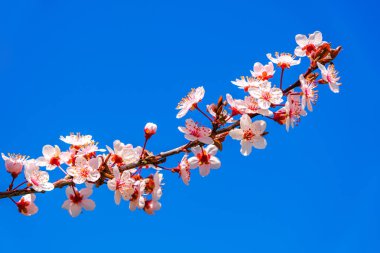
[135, 174]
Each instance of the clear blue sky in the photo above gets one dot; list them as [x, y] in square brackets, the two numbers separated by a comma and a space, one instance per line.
[106, 68]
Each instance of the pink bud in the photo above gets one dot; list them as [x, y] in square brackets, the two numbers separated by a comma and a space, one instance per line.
[150, 129]
[14, 164]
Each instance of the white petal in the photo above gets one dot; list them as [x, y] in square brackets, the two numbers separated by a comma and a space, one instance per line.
[215, 162]
[259, 142]
[236, 134]
[245, 122]
[193, 162]
[75, 210]
[246, 147]
[211, 149]
[88, 204]
[48, 151]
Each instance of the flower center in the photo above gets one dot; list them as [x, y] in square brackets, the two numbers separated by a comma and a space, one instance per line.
[76, 198]
[203, 158]
[55, 161]
[309, 48]
[248, 135]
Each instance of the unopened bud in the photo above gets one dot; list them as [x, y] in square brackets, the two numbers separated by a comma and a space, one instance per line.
[150, 129]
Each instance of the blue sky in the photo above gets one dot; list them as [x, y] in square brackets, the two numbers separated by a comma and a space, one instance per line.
[107, 68]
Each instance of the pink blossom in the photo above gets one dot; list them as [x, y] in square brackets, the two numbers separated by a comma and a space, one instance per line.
[39, 180]
[184, 170]
[291, 113]
[137, 199]
[122, 184]
[123, 154]
[78, 200]
[76, 139]
[205, 159]
[307, 45]
[251, 106]
[246, 83]
[84, 170]
[150, 129]
[266, 95]
[26, 205]
[250, 134]
[14, 163]
[284, 60]
[330, 75]
[309, 95]
[52, 157]
[151, 206]
[190, 101]
[263, 72]
[195, 132]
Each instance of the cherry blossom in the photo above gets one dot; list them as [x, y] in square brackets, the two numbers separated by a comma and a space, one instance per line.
[251, 106]
[151, 206]
[194, 132]
[309, 95]
[330, 75]
[26, 205]
[52, 157]
[77, 139]
[14, 163]
[137, 200]
[247, 82]
[263, 72]
[291, 113]
[250, 134]
[284, 60]
[237, 106]
[157, 190]
[190, 101]
[122, 184]
[307, 45]
[78, 200]
[150, 129]
[39, 180]
[205, 159]
[266, 95]
[84, 170]
[184, 170]
[123, 154]
[89, 150]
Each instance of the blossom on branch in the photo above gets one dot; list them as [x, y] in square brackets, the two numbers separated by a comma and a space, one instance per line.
[76, 139]
[39, 180]
[307, 45]
[205, 159]
[52, 157]
[266, 95]
[78, 200]
[263, 72]
[330, 76]
[250, 134]
[190, 101]
[84, 170]
[195, 132]
[284, 60]
[14, 163]
[26, 205]
[309, 95]
[122, 184]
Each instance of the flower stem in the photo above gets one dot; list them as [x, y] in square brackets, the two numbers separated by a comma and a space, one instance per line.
[208, 117]
[282, 75]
